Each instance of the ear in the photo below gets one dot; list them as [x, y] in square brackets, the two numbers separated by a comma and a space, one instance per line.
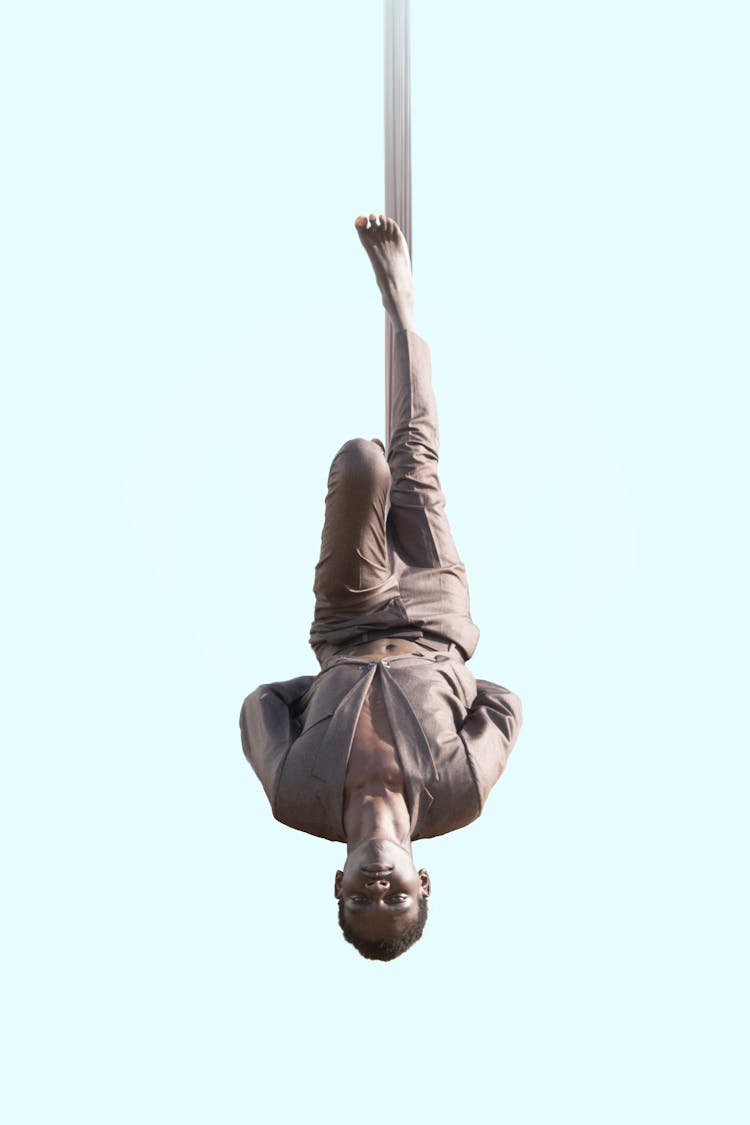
[424, 882]
[337, 884]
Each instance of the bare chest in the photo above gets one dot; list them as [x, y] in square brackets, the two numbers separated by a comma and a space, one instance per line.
[373, 761]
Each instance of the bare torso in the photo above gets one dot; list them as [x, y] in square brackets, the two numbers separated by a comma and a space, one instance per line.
[373, 767]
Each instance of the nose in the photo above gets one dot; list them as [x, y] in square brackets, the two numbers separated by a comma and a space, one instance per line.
[381, 881]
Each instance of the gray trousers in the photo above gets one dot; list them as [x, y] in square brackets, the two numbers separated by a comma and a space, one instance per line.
[388, 565]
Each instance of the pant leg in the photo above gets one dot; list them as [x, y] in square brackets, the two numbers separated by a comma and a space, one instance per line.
[432, 578]
[353, 577]
[421, 530]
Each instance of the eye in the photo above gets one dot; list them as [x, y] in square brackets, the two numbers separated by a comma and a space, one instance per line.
[396, 898]
[358, 900]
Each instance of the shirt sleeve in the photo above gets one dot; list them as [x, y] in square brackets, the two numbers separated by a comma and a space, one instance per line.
[490, 731]
[268, 727]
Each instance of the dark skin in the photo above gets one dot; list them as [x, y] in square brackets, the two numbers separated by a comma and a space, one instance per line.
[380, 885]
[383, 906]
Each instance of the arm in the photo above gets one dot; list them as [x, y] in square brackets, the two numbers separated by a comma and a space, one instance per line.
[490, 731]
[268, 727]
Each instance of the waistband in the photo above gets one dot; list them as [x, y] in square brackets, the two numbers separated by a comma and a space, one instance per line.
[426, 640]
[430, 642]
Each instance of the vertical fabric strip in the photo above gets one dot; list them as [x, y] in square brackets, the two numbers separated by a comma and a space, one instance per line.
[397, 146]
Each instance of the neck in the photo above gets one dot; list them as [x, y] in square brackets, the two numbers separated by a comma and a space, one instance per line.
[371, 817]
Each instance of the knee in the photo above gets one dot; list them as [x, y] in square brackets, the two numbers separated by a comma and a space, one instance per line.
[362, 460]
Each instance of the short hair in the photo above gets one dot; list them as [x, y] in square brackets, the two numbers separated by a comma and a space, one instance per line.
[390, 948]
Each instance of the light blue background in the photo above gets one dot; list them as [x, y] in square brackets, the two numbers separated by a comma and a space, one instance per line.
[191, 330]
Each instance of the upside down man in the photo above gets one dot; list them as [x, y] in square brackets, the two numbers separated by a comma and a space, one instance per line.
[394, 740]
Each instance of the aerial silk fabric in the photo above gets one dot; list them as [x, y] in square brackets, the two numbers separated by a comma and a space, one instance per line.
[397, 145]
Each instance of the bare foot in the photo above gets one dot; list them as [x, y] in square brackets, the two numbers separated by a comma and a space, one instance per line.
[387, 250]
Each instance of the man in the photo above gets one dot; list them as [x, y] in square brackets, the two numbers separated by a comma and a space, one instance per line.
[394, 740]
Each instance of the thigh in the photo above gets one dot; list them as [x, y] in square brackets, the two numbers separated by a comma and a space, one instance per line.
[353, 572]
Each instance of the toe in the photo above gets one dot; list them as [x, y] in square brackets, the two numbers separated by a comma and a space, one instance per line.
[373, 220]
[361, 222]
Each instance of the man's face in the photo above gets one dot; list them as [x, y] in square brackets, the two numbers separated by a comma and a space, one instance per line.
[380, 888]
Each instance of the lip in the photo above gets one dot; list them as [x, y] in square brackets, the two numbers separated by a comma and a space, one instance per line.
[377, 869]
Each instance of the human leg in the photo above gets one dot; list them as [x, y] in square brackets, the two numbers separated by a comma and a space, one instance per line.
[418, 519]
[353, 574]
[432, 579]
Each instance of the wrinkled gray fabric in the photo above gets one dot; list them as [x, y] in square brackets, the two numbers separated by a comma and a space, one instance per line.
[388, 561]
[388, 568]
[453, 736]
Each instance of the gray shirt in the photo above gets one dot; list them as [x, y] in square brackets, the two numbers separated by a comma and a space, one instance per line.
[453, 735]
